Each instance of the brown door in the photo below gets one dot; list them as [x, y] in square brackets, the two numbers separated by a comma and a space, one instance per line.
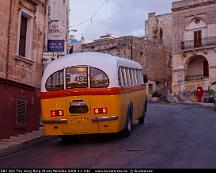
[205, 68]
[197, 38]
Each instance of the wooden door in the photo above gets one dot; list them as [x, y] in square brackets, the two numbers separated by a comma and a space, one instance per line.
[198, 38]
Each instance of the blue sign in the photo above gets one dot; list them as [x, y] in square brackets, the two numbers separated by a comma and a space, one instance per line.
[56, 45]
[72, 41]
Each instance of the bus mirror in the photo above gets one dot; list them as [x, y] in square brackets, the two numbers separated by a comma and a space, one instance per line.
[145, 78]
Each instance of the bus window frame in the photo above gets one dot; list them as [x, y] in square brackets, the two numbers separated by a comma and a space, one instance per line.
[135, 77]
[128, 77]
[89, 76]
[132, 77]
[78, 66]
[58, 79]
[141, 77]
[124, 76]
[120, 77]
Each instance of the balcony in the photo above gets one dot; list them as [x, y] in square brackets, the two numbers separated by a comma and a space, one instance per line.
[191, 44]
[195, 77]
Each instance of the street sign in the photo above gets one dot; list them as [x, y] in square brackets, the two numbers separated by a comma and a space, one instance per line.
[56, 45]
[49, 56]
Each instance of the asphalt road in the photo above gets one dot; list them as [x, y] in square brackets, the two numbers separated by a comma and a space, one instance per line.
[174, 136]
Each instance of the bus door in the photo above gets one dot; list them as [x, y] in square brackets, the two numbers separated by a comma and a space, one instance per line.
[78, 102]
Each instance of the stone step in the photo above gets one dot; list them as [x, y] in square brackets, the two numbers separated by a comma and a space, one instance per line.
[15, 140]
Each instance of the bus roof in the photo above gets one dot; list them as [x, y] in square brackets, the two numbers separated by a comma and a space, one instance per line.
[91, 59]
[106, 62]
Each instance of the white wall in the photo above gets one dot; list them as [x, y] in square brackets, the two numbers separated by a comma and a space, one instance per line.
[192, 26]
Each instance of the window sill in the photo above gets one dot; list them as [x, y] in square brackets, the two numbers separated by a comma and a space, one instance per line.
[21, 58]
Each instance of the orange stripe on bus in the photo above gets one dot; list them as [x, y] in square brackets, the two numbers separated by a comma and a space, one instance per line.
[91, 91]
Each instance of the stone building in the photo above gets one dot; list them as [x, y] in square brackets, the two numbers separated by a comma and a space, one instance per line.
[159, 27]
[194, 47]
[22, 37]
[158, 32]
[58, 27]
[151, 55]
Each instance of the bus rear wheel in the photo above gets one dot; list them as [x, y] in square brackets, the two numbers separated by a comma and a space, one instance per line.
[69, 138]
[128, 125]
[141, 120]
[215, 105]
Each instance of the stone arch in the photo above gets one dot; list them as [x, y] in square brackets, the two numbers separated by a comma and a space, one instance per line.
[196, 68]
[196, 23]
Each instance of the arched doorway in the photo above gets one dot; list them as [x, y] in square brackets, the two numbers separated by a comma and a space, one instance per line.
[197, 68]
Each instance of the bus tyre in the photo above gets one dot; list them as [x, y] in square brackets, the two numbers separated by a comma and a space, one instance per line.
[141, 120]
[69, 138]
[215, 105]
[128, 125]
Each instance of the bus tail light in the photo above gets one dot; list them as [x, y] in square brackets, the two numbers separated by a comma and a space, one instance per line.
[100, 110]
[56, 113]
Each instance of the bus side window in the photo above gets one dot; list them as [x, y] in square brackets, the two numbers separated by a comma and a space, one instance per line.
[141, 76]
[76, 77]
[124, 76]
[56, 81]
[128, 77]
[135, 77]
[120, 77]
[131, 76]
[98, 78]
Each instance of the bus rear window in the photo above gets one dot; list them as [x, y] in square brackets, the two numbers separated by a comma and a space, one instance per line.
[98, 78]
[55, 81]
[76, 77]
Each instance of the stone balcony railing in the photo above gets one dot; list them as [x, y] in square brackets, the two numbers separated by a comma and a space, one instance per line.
[194, 77]
[191, 44]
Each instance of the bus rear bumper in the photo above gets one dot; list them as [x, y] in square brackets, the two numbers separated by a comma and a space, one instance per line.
[104, 118]
[55, 121]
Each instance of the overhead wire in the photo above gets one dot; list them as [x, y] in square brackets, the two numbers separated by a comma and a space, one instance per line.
[90, 19]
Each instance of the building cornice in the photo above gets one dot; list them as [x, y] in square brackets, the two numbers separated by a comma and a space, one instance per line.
[178, 7]
[38, 2]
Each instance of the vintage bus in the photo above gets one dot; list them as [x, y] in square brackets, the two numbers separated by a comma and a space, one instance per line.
[91, 93]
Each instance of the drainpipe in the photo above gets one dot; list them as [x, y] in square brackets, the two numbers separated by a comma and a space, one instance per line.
[8, 45]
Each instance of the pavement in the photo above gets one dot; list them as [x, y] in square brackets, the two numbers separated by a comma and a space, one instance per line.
[198, 103]
[16, 142]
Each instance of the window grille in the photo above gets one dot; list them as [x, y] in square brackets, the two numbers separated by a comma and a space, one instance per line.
[21, 112]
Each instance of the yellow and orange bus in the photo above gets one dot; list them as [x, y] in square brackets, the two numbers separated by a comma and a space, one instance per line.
[91, 93]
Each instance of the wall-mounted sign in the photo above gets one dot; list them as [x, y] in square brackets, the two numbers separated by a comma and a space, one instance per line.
[56, 45]
[56, 31]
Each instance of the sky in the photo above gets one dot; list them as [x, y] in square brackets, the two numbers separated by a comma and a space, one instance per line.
[94, 18]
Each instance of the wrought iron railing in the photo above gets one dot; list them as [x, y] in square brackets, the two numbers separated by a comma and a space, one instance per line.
[190, 44]
[195, 77]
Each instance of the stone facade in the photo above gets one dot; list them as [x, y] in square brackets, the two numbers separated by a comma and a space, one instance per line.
[194, 47]
[150, 54]
[159, 27]
[20, 70]
[58, 22]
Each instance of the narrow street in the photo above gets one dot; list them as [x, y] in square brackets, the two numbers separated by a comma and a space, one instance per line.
[174, 136]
